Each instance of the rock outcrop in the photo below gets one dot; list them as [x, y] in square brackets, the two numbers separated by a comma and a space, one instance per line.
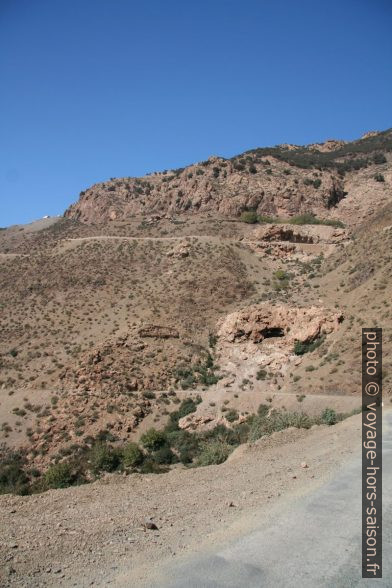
[218, 185]
[298, 233]
[288, 324]
[122, 365]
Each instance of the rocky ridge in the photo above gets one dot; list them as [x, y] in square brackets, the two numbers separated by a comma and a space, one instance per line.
[282, 181]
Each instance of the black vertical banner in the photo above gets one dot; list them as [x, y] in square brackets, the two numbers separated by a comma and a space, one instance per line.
[371, 453]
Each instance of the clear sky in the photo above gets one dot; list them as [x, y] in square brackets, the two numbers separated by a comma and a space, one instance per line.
[93, 89]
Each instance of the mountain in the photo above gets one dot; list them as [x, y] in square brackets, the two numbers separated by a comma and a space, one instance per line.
[202, 293]
[283, 181]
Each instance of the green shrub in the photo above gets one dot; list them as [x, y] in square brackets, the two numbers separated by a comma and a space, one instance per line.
[208, 378]
[205, 371]
[231, 415]
[263, 410]
[379, 178]
[379, 158]
[261, 374]
[309, 218]
[164, 455]
[59, 475]
[186, 456]
[188, 382]
[300, 420]
[310, 182]
[13, 479]
[282, 279]
[186, 407]
[150, 466]
[214, 452]
[249, 216]
[268, 219]
[132, 455]
[302, 347]
[330, 222]
[281, 275]
[262, 425]
[149, 394]
[104, 458]
[153, 440]
[329, 416]
[185, 443]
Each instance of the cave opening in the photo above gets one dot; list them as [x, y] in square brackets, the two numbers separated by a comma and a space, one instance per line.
[272, 332]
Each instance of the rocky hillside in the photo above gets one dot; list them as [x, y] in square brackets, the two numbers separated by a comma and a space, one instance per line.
[279, 181]
[226, 285]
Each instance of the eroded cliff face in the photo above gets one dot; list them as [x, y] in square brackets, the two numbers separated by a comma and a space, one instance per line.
[266, 185]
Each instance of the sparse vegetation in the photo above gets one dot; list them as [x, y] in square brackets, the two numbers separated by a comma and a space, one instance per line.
[302, 347]
[232, 415]
[249, 217]
[252, 217]
[161, 449]
[311, 219]
[261, 374]
[203, 372]
[281, 280]
[355, 155]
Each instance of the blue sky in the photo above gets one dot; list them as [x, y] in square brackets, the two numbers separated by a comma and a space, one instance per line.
[92, 89]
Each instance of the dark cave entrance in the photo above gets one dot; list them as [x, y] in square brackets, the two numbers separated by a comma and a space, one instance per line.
[272, 332]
